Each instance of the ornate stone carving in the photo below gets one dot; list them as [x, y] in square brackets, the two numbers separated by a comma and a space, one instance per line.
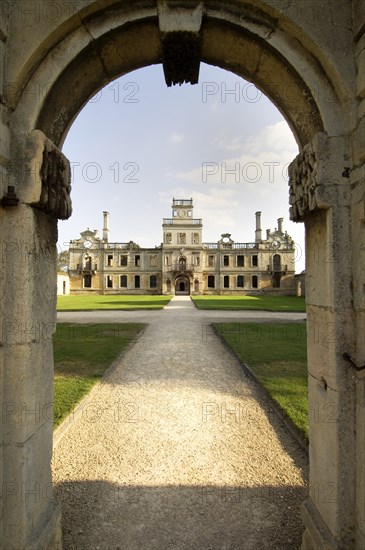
[46, 177]
[55, 175]
[303, 180]
[306, 181]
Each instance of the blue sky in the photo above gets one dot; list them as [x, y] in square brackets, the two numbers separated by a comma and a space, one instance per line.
[137, 144]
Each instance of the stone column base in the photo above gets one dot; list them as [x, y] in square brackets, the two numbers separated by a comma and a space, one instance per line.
[50, 536]
[317, 536]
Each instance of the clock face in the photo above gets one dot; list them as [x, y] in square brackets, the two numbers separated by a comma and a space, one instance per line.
[181, 213]
[276, 244]
[87, 243]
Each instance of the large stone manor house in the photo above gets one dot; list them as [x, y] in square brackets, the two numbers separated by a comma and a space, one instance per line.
[183, 263]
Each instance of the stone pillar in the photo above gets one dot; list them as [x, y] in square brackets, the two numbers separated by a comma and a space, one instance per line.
[320, 195]
[41, 181]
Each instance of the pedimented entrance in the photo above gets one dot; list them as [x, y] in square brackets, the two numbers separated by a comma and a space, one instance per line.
[303, 58]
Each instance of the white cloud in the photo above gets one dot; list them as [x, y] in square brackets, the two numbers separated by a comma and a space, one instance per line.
[175, 137]
[274, 138]
[233, 144]
[264, 160]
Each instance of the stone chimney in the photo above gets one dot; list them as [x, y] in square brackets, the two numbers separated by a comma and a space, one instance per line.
[258, 236]
[280, 225]
[106, 226]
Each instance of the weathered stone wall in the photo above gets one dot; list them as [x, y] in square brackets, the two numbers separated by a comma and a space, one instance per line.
[357, 181]
[308, 57]
[4, 159]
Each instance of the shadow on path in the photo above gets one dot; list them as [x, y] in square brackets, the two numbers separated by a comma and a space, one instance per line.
[184, 517]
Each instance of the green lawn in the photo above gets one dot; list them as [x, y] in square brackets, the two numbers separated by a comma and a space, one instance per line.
[94, 302]
[82, 354]
[277, 354]
[268, 303]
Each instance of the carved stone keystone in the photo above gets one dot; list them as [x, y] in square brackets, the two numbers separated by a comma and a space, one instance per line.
[181, 40]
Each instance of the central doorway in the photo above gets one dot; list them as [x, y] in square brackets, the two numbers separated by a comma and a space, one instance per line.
[182, 286]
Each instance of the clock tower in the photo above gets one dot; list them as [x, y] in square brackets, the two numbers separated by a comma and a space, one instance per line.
[182, 209]
[182, 228]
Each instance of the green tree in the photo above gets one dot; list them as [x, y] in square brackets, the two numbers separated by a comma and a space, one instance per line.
[63, 260]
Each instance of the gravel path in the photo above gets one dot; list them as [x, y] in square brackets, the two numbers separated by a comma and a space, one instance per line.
[176, 449]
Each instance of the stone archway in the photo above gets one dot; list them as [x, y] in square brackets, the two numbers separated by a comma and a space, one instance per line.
[55, 61]
[182, 286]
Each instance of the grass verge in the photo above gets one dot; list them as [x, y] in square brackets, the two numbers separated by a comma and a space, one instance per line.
[276, 353]
[268, 303]
[82, 354]
[124, 302]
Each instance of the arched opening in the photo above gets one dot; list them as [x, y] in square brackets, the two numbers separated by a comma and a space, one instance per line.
[284, 63]
[182, 286]
[277, 262]
[277, 271]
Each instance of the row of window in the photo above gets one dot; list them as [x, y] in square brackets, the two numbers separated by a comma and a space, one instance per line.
[240, 281]
[181, 238]
[240, 260]
[123, 260]
[123, 281]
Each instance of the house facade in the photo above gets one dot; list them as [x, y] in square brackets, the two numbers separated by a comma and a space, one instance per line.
[183, 264]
